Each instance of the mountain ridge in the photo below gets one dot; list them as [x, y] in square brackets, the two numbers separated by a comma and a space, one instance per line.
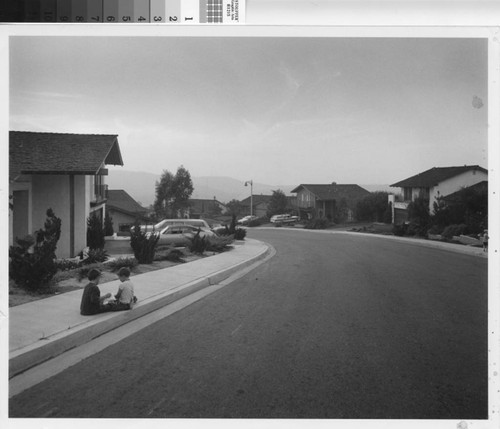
[140, 185]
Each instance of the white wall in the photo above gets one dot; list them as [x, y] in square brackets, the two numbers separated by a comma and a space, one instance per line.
[52, 191]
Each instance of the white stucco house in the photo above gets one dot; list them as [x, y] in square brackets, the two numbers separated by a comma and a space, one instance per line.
[64, 172]
[432, 184]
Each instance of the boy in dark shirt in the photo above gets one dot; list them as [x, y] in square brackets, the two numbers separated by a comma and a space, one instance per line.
[92, 301]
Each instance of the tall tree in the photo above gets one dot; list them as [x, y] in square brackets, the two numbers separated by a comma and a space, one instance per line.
[173, 193]
[182, 189]
[277, 204]
[164, 195]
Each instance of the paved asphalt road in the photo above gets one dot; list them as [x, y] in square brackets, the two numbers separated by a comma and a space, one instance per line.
[334, 326]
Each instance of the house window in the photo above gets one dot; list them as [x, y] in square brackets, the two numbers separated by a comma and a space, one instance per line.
[407, 194]
[99, 188]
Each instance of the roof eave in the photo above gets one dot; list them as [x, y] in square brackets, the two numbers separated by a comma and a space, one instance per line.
[114, 155]
[62, 172]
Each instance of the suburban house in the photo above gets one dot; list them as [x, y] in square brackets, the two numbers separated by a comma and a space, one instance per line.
[205, 208]
[335, 202]
[260, 204]
[124, 210]
[64, 172]
[432, 184]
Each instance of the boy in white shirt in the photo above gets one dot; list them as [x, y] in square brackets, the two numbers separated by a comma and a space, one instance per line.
[125, 298]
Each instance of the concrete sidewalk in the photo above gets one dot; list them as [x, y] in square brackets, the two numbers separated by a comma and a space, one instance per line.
[43, 329]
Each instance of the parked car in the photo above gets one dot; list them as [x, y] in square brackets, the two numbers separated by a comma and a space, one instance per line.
[180, 235]
[284, 219]
[200, 223]
[246, 220]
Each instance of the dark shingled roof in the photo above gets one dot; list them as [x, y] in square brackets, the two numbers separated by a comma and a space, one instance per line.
[335, 191]
[120, 200]
[56, 153]
[435, 175]
[256, 199]
[199, 205]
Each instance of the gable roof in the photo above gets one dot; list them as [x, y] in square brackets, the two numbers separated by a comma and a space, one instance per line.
[334, 191]
[201, 205]
[120, 200]
[435, 175]
[56, 153]
[256, 199]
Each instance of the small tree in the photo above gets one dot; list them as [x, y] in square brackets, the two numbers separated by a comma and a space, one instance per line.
[32, 261]
[234, 207]
[95, 232]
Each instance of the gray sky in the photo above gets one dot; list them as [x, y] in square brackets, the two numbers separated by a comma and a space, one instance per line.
[275, 110]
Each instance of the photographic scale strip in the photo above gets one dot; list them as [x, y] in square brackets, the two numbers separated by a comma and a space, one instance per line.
[123, 11]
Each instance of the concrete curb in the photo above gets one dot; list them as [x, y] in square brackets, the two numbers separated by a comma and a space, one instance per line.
[47, 348]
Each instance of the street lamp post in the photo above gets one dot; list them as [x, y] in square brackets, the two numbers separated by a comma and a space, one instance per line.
[251, 195]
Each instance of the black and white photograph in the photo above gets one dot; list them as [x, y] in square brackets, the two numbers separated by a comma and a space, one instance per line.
[254, 224]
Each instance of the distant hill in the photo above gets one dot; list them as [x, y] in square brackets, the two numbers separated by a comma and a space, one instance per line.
[141, 186]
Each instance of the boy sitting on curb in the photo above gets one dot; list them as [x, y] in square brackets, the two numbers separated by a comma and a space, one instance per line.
[125, 298]
[92, 301]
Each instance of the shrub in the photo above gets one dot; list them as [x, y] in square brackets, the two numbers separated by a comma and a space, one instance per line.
[169, 254]
[418, 211]
[435, 230]
[237, 233]
[116, 264]
[400, 230]
[317, 224]
[83, 272]
[240, 234]
[67, 264]
[416, 230]
[95, 255]
[255, 222]
[454, 230]
[95, 232]
[219, 244]
[143, 244]
[198, 244]
[32, 262]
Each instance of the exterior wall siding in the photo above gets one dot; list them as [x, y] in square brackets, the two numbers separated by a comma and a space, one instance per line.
[305, 199]
[454, 184]
[120, 218]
